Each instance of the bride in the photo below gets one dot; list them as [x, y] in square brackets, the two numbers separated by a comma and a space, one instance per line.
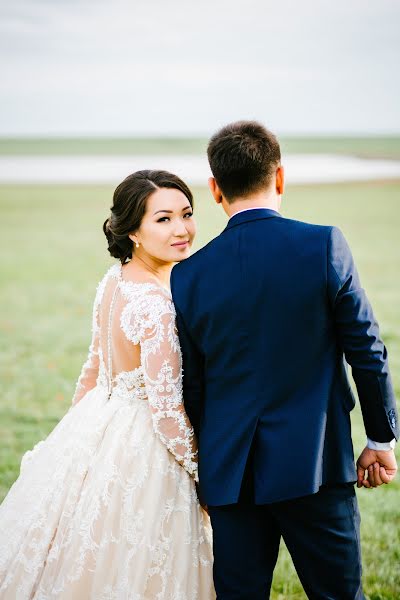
[106, 507]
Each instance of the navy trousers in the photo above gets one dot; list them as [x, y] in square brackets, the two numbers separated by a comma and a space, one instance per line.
[321, 532]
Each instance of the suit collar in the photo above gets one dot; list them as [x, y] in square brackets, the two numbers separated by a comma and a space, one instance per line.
[251, 215]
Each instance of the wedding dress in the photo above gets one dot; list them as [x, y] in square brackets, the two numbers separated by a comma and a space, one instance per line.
[106, 508]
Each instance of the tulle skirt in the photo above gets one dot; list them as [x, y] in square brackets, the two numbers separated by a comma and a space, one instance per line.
[102, 511]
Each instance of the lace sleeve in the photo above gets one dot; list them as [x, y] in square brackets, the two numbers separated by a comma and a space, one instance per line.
[162, 366]
[90, 370]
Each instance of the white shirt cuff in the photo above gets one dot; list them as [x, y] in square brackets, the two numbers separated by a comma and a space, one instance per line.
[381, 445]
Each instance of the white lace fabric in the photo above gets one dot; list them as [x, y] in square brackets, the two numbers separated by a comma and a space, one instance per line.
[106, 508]
[144, 312]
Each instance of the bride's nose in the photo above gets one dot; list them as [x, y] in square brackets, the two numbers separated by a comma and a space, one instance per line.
[180, 228]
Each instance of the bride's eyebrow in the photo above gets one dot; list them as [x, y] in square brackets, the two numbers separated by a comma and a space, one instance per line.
[171, 211]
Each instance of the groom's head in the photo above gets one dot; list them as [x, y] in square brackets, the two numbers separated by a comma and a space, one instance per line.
[244, 159]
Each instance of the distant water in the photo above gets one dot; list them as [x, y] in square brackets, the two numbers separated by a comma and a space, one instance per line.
[300, 168]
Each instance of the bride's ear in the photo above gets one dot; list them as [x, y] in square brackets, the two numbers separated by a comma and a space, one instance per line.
[133, 238]
[214, 189]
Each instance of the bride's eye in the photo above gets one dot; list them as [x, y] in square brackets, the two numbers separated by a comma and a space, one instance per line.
[162, 219]
[190, 214]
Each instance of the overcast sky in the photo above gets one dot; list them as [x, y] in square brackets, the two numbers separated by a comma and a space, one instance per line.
[188, 66]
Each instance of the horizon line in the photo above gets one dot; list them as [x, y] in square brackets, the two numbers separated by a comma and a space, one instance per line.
[186, 136]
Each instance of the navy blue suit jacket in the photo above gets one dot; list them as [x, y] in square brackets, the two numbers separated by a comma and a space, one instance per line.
[266, 314]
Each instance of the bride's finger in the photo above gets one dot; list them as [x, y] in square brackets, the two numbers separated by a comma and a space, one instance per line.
[371, 476]
[360, 475]
[377, 475]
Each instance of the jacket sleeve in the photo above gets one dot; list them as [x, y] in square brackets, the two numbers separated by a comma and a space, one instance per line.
[193, 363]
[358, 335]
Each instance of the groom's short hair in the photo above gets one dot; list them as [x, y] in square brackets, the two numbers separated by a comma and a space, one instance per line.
[243, 158]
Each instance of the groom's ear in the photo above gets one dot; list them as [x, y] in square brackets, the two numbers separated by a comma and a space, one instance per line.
[280, 180]
[214, 189]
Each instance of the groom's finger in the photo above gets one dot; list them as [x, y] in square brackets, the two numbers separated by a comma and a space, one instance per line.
[384, 476]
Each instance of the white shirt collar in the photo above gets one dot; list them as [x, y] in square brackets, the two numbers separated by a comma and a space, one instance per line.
[245, 209]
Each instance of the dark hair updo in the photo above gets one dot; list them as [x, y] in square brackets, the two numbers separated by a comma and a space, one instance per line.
[129, 206]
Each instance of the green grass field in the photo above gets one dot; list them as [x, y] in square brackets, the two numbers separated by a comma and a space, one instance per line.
[365, 146]
[53, 253]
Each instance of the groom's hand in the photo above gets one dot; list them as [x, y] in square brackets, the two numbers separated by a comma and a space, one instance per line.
[375, 467]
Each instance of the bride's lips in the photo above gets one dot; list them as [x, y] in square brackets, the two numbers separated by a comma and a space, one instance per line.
[180, 244]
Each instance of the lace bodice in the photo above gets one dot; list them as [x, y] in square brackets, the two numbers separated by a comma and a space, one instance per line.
[135, 355]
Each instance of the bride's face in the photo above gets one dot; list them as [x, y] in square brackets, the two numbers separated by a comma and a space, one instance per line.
[168, 228]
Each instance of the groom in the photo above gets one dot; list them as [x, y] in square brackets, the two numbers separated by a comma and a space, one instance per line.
[267, 312]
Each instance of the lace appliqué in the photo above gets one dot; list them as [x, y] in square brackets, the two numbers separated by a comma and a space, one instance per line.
[103, 509]
[90, 370]
[148, 319]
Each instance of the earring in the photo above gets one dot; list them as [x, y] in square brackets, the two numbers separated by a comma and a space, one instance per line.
[137, 244]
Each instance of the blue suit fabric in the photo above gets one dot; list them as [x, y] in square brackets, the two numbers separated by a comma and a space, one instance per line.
[268, 315]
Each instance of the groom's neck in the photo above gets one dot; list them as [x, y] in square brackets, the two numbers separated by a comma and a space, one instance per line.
[262, 200]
